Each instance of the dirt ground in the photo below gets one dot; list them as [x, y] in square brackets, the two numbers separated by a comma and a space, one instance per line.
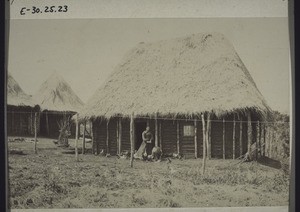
[53, 179]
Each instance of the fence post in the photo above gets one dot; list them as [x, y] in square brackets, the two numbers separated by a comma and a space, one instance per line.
[204, 144]
[83, 138]
[131, 138]
[233, 138]
[76, 138]
[35, 132]
[223, 141]
[195, 138]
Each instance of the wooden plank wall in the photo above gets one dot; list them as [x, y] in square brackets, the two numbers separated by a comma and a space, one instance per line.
[187, 143]
[112, 130]
[99, 133]
[217, 139]
[169, 137]
[21, 122]
[245, 136]
[228, 137]
[125, 143]
[200, 139]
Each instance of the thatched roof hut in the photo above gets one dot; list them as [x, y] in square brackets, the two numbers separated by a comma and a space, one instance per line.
[187, 76]
[180, 79]
[15, 94]
[20, 109]
[55, 94]
[58, 101]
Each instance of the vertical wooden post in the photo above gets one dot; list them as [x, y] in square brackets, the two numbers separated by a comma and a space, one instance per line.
[117, 135]
[47, 124]
[156, 131]
[12, 121]
[107, 137]
[178, 137]
[204, 144]
[260, 139]
[208, 136]
[83, 137]
[35, 132]
[160, 138]
[195, 139]
[249, 131]
[92, 136]
[224, 138]
[241, 136]
[264, 140]
[76, 138]
[131, 138]
[120, 135]
[271, 141]
[32, 128]
[233, 138]
[257, 141]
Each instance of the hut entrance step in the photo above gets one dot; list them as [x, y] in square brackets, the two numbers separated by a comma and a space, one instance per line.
[139, 129]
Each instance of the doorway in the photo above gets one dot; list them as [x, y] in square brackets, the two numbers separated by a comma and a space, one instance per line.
[139, 129]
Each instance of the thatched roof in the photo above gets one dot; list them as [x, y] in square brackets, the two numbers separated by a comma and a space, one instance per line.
[15, 95]
[186, 76]
[55, 94]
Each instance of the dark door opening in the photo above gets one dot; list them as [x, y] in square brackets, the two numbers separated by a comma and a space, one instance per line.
[139, 129]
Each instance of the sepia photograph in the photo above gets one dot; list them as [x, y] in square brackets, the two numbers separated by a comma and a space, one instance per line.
[148, 113]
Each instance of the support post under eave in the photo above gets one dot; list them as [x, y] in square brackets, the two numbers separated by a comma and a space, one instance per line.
[160, 138]
[156, 131]
[76, 138]
[260, 137]
[117, 136]
[208, 136]
[83, 137]
[120, 135]
[264, 140]
[195, 139]
[204, 144]
[35, 132]
[241, 137]
[47, 123]
[178, 137]
[107, 137]
[257, 141]
[223, 141]
[233, 138]
[131, 138]
[249, 130]
[92, 136]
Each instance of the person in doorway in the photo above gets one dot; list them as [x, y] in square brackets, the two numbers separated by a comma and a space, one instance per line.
[147, 138]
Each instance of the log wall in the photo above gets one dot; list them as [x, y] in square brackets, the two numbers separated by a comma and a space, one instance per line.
[169, 136]
[187, 143]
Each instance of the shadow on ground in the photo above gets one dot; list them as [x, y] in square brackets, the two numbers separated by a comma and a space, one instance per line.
[270, 162]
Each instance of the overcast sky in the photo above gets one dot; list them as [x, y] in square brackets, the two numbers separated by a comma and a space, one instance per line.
[86, 51]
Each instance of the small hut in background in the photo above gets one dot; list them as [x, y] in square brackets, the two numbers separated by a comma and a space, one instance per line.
[58, 103]
[20, 110]
[170, 86]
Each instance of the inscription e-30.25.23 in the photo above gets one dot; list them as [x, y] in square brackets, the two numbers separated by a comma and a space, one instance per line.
[45, 9]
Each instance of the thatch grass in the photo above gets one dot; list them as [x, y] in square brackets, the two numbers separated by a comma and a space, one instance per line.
[55, 94]
[15, 95]
[187, 76]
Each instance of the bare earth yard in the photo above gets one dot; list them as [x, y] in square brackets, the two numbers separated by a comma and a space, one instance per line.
[53, 179]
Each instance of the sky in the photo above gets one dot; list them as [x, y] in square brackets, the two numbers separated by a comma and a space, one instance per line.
[85, 51]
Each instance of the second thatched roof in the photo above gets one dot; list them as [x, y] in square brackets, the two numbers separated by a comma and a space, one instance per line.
[55, 94]
[15, 94]
[186, 76]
